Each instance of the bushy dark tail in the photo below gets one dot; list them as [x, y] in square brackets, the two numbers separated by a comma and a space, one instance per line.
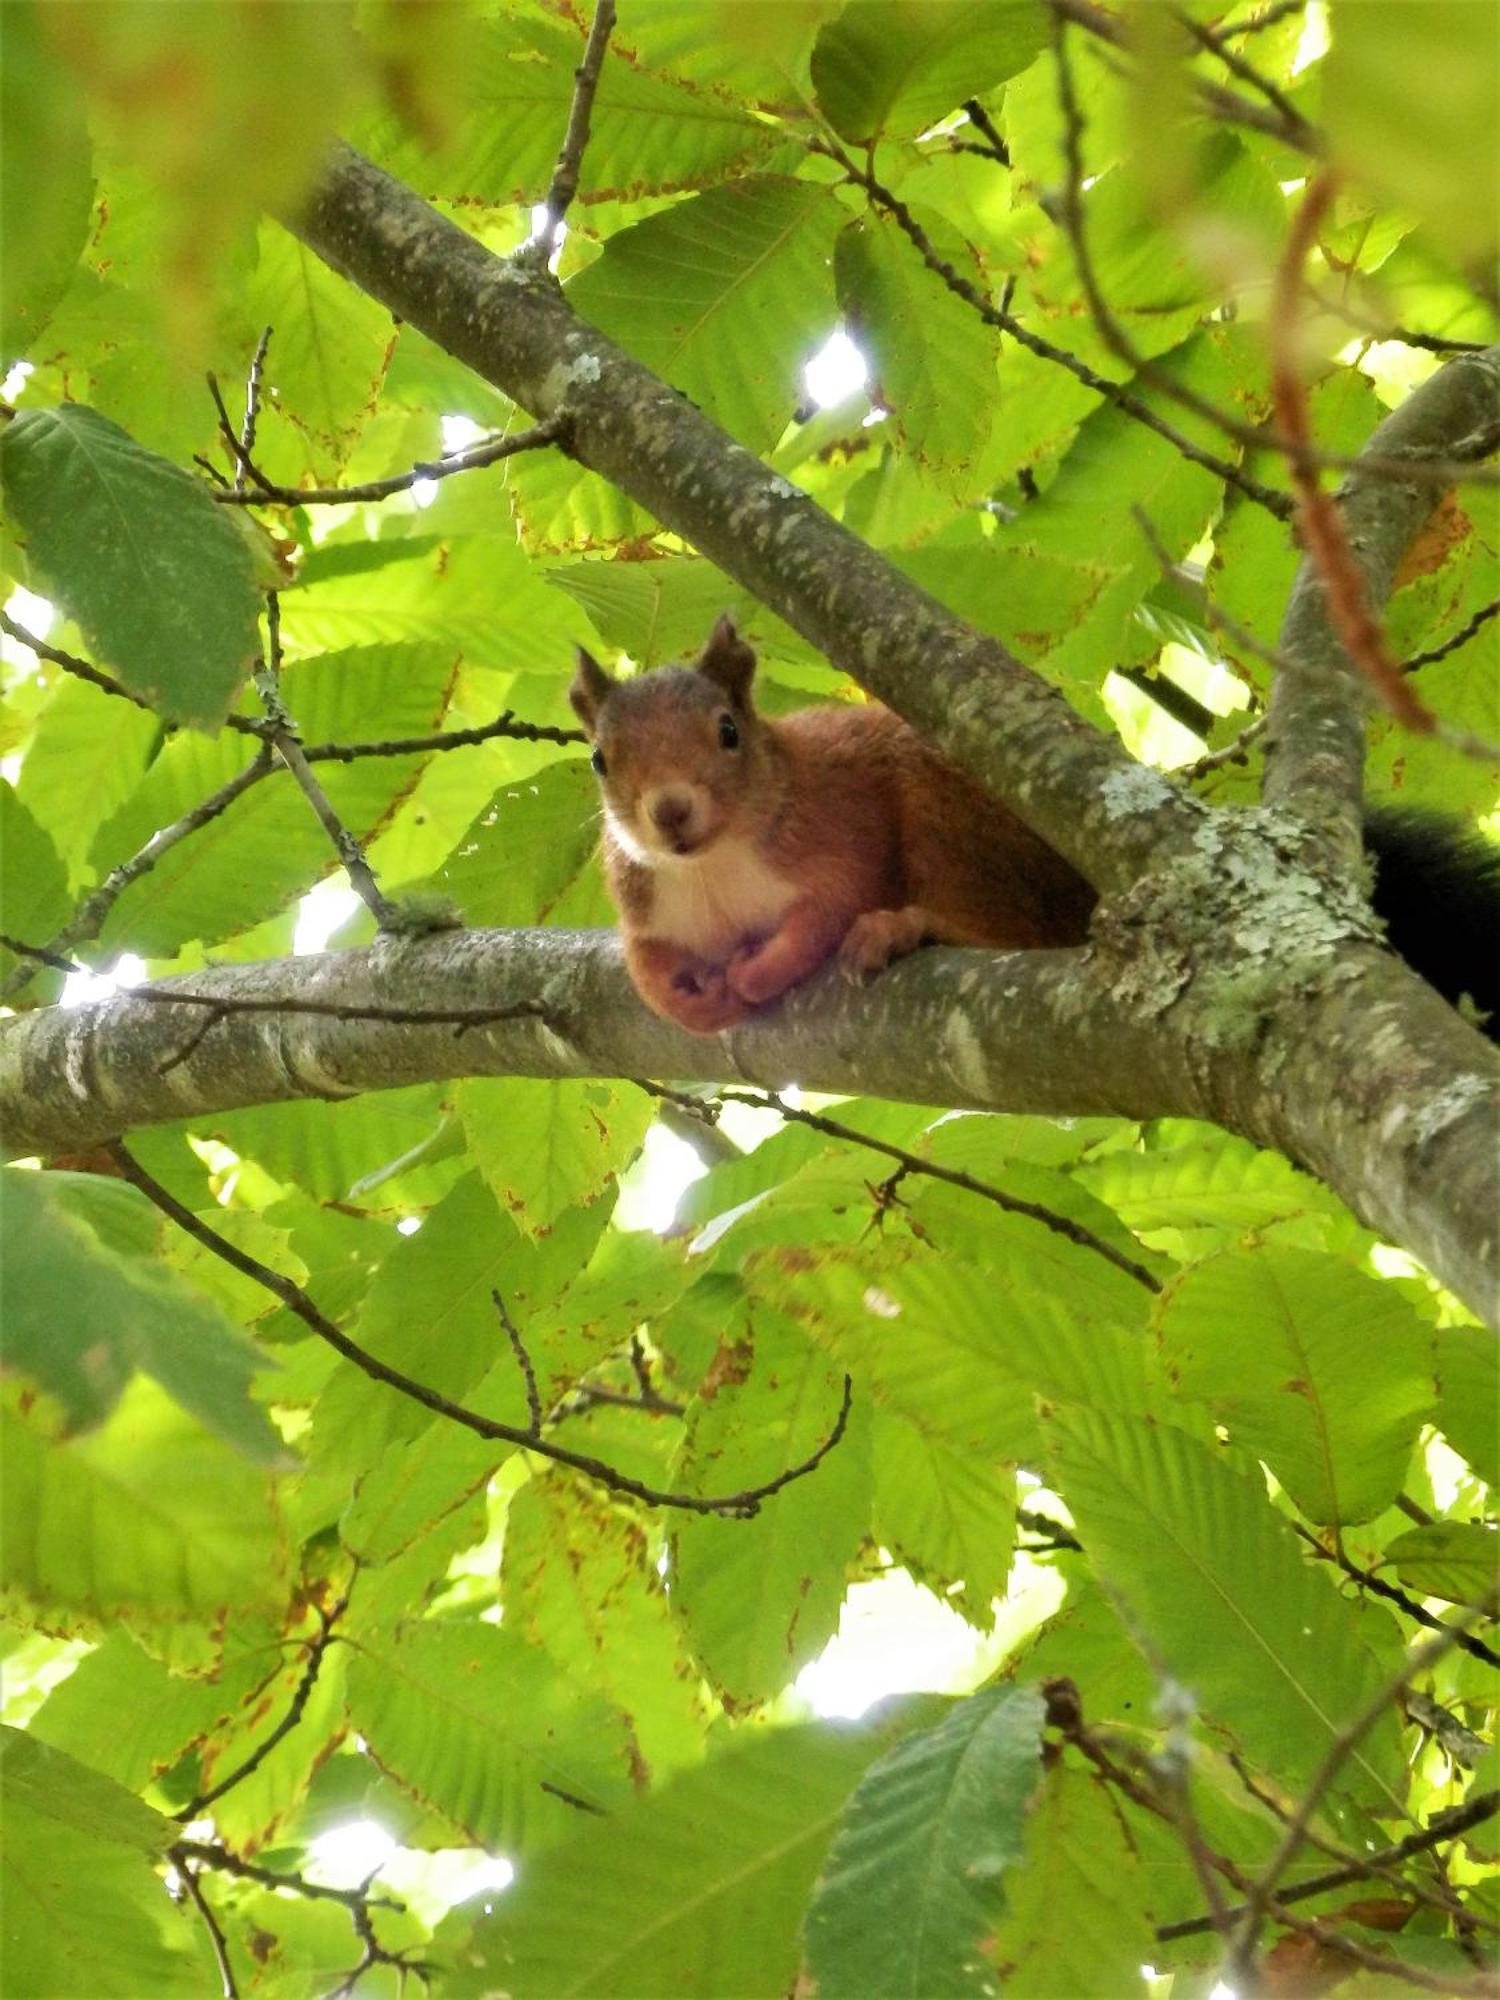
[1437, 887]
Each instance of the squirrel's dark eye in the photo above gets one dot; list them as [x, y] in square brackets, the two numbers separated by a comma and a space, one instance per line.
[729, 733]
[597, 760]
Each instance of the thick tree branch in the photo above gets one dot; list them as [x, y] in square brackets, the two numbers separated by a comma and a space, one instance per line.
[512, 324]
[945, 1027]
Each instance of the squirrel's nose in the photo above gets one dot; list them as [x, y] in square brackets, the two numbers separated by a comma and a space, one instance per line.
[671, 811]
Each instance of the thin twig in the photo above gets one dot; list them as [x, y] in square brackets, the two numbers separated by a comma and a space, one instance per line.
[1468, 1642]
[1343, 1743]
[1238, 65]
[240, 457]
[189, 1879]
[289, 749]
[1224, 104]
[505, 725]
[213, 1854]
[1447, 1825]
[1451, 644]
[89, 918]
[1381, 329]
[252, 404]
[490, 451]
[316, 1646]
[1057, 1536]
[913, 1163]
[1253, 24]
[1064, 1712]
[569, 160]
[1362, 1866]
[523, 1362]
[981, 120]
[738, 1506]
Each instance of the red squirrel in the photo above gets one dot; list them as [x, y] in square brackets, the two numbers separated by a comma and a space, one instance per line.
[743, 852]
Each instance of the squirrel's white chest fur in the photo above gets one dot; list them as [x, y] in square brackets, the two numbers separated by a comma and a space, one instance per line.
[709, 903]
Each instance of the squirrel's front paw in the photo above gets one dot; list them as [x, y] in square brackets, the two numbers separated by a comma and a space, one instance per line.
[874, 939]
[703, 1003]
[754, 976]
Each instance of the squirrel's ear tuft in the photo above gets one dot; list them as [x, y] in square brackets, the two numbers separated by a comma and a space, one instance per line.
[727, 660]
[590, 685]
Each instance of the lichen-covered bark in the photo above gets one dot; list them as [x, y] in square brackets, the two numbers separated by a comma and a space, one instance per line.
[1020, 1031]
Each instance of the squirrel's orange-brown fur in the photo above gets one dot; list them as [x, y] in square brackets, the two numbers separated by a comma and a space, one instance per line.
[742, 852]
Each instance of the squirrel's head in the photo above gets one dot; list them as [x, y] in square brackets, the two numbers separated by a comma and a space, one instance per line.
[681, 754]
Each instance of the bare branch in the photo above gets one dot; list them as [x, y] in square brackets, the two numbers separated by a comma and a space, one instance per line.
[1318, 703]
[288, 747]
[735, 1506]
[489, 452]
[252, 402]
[570, 159]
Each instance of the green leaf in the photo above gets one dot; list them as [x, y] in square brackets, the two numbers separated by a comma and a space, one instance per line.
[1458, 1560]
[33, 882]
[1212, 1580]
[882, 66]
[580, 1580]
[659, 610]
[530, 850]
[1317, 1369]
[84, 1910]
[46, 181]
[80, 1318]
[1468, 1366]
[668, 1911]
[757, 1599]
[949, 1515]
[1412, 86]
[125, 1714]
[159, 578]
[1077, 1920]
[647, 133]
[430, 1314]
[335, 1151]
[483, 1727]
[912, 1882]
[88, 755]
[725, 296]
[543, 1146]
[149, 1519]
[932, 359]
[59, 1788]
